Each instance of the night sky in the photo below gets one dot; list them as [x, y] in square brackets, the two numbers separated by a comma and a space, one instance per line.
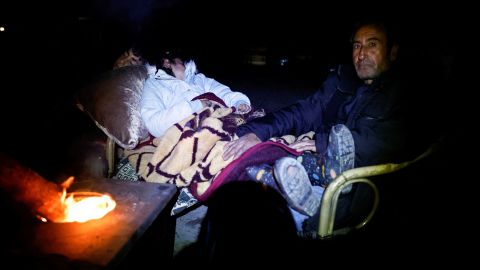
[211, 27]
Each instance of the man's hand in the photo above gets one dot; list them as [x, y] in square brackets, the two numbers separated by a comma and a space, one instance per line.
[238, 147]
[308, 145]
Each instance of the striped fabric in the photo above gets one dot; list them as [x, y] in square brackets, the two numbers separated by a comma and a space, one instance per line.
[190, 150]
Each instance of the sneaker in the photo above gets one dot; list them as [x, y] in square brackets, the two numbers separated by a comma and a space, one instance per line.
[313, 166]
[293, 181]
[262, 173]
[340, 154]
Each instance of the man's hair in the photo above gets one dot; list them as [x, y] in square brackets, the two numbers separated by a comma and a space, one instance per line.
[386, 27]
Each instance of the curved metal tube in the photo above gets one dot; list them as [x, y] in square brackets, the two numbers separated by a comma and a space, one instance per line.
[330, 196]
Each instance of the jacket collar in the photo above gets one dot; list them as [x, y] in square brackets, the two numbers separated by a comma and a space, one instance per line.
[190, 72]
[385, 79]
[348, 81]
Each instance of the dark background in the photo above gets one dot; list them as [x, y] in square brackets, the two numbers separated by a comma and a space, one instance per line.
[50, 50]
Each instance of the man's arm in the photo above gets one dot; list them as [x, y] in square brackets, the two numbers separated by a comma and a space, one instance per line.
[304, 116]
[296, 119]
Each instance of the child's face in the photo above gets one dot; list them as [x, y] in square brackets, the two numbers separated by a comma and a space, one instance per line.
[174, 67]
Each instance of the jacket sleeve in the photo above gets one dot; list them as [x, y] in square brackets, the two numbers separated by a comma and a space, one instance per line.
[231, 98]
[160, 109]
[299, 118]
[303, 116]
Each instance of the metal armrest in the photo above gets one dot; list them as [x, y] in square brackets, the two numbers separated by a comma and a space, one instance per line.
[329, 202]
[110, 155]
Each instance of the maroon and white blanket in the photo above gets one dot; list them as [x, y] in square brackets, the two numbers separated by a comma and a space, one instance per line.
[191, 150]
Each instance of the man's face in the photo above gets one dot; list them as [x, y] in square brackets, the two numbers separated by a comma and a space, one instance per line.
[370, 53]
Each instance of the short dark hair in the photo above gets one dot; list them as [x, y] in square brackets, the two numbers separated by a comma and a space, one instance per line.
[388, 28]
[171, 54]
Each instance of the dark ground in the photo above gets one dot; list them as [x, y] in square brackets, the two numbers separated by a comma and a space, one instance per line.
[42, 70]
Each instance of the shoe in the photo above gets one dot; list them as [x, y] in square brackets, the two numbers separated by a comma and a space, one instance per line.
[340, 154]
[313, 166]
[293, 181]
[262, 173]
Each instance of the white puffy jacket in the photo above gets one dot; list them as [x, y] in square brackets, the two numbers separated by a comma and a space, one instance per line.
[166, 100]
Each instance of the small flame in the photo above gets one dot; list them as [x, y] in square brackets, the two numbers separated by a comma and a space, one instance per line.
[83, 206]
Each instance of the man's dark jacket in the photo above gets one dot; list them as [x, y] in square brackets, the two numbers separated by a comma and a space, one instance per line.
[376, 115]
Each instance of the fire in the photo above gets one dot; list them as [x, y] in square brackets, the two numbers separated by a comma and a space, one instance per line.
[83, 206]
[48, 200]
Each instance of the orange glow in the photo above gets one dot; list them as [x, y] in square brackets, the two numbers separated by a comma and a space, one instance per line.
[85, 206]
[81, 206]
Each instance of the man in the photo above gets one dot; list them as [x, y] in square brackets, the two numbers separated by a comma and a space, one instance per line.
[358, 115]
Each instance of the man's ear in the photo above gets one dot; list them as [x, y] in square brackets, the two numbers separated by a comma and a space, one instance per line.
[394, 53]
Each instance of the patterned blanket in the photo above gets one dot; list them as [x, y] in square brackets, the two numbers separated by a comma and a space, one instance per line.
[191, 150]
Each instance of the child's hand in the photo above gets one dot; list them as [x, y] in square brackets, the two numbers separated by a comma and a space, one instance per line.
[243, 108]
